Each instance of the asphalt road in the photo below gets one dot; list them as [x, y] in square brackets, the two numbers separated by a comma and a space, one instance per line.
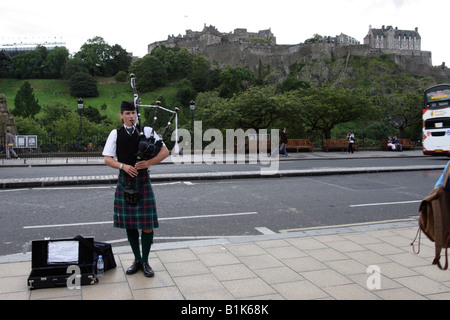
[218, 208]
[62, 171]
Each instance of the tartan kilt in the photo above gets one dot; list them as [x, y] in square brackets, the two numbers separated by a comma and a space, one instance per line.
[142, 215]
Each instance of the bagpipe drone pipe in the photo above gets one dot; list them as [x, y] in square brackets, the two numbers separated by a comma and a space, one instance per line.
[148, 147]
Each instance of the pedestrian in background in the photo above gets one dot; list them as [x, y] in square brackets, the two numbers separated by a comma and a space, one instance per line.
[283, 142]
[10, 145]
[351, 141]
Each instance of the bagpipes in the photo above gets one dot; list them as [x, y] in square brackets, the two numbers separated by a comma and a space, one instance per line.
[149, 148]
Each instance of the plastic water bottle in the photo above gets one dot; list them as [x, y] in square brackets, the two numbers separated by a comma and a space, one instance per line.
[100, 267]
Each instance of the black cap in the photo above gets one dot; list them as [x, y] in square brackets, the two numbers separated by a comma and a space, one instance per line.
[127, 106]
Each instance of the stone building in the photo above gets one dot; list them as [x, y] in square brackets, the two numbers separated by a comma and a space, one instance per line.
[341, 39]
[404, 43]
[197, 41]
[388, 38]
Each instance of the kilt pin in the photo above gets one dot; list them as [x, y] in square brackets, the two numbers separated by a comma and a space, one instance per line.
[143, 215]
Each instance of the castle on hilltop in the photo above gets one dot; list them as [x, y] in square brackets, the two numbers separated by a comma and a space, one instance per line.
[259, 51]
[196, 41]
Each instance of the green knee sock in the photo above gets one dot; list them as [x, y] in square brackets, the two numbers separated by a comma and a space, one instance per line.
[147, 240]
[133, 238]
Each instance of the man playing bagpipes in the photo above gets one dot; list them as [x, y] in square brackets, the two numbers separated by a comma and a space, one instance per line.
[134, 201]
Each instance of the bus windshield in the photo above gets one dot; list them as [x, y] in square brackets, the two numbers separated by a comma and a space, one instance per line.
[437, 99]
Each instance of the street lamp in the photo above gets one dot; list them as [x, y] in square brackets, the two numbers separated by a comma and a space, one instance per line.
[80, 110]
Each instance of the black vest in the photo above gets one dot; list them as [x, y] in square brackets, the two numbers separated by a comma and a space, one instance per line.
[127, 146]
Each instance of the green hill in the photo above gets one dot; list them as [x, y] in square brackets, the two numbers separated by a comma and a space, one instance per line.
[111, 94]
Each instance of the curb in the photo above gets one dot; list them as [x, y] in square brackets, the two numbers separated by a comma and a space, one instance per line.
[112, 179]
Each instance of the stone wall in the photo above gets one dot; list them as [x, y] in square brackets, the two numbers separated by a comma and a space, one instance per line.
[6, 118]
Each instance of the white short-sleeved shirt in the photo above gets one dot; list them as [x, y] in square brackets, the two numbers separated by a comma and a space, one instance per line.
[111, 143]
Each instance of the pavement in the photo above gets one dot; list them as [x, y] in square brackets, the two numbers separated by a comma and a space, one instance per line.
[371, 261]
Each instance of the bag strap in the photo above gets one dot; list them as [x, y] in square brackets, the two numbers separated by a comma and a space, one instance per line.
[412, 243]
[437, 258]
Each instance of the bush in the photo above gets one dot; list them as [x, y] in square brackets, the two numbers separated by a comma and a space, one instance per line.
[83, 85]
[121, 76]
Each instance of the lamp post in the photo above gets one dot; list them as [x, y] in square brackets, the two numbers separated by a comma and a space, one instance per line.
[80, 110]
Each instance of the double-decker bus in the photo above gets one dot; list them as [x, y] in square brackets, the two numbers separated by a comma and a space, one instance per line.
[436, 120]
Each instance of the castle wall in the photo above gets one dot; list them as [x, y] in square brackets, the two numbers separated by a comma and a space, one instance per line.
[238, 49]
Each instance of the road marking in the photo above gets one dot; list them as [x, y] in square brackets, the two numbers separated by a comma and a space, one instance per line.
[265, 230]
[209, 216]
[73, 188]
[347, 225]
[383, 203]
[160, 219]
[330, 184]
[67, 225]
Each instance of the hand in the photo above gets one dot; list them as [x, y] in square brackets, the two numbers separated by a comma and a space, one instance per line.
[141, 165]
[130, 170]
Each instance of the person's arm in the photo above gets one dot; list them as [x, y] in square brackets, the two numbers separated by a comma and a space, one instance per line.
[113, 163]
[441, 179]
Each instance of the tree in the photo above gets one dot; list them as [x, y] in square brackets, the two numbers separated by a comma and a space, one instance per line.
[234, 80]
[28, 65]
[93, 55]
[323, 108]
[403, 110]
[83, 85]
[29, 126]
[315, 38]
[25, 103]
[101, 59]
[185, 92]
[117, 60]
[54, 63]
[72, 66]
[150, 73]
[256, 108]
[213, 111]
[53, 112]
[93, 115]
[200, 73]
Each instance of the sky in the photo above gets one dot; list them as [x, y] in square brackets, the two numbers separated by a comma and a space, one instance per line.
[135, 24]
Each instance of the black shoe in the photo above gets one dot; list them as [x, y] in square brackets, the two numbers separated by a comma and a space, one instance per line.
[135, 267]
[148, 271]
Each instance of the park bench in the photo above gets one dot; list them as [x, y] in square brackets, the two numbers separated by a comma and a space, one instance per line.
[300, 144]
[341, 144]
[406, 143]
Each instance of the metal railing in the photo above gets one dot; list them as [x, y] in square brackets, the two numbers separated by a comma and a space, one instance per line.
[51, 145]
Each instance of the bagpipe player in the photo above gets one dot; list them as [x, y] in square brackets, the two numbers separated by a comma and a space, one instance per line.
[134, 201]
